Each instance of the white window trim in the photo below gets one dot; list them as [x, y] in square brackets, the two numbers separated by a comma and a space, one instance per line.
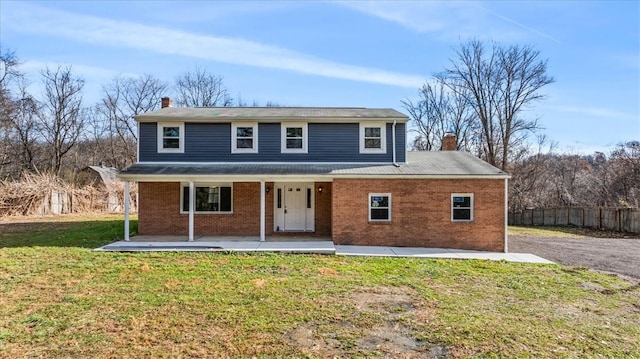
[201, 184]
[283, 137]
[369, 206]
[383, 137]
[160, 126]
[471, 206]
[234, 137]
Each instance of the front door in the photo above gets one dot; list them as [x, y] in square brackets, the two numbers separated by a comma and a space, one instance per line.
[294, 207]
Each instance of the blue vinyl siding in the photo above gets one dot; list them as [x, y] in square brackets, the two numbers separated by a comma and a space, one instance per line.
[211, 142]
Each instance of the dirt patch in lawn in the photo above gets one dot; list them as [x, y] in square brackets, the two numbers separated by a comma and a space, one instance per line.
[381, 328]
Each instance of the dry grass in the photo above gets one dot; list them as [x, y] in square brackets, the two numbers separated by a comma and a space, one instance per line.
[61, 300]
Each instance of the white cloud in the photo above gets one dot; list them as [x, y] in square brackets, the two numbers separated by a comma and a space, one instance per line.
[604, 113]
[451, 20]
[99, 31]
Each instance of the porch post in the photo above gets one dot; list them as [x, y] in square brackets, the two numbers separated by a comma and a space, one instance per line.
[262, 211]
[126, 211]
[506, 215]
[191, 209]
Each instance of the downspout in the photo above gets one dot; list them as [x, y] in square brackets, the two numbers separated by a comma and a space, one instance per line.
[393, 141]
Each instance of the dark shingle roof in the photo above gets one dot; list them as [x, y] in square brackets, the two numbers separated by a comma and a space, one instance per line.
[425, 164]
[265, 114]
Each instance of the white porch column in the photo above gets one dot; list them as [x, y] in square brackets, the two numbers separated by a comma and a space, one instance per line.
[126, 211]
[262, 211]
[192, 206]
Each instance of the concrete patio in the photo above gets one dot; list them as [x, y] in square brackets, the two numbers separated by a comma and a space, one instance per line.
[303, 244]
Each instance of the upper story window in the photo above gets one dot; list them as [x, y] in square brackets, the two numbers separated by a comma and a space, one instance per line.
[171, 137]
[244, 137]
[294, 137]
[462, 207]
[373, 137]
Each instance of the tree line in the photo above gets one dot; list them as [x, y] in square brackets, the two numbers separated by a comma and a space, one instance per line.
[483, 97]
[58, 132]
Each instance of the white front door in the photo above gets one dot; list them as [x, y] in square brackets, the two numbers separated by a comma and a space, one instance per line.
[294, 207]
[294, 210]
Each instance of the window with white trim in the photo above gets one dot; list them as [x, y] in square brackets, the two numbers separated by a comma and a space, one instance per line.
[373, 137]
[209, 198]
[294, 137]
[244, 137]
[379, 207]
[171, 137]
[462, 207]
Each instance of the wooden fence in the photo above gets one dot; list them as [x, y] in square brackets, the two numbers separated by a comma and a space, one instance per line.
[614, 219]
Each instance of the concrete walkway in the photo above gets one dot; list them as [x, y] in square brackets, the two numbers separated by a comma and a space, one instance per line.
[317, 247]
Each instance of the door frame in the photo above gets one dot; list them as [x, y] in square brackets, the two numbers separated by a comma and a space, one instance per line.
[278, 212]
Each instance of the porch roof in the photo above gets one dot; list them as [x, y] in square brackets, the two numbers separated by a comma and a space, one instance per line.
[445, 164]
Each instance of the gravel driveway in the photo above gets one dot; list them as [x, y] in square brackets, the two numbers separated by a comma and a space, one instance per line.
[618, 255]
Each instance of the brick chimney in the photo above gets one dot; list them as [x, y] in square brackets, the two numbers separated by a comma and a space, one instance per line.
[449, 142]
[167, 102]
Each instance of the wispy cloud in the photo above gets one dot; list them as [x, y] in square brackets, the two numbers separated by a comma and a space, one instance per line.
[528, 28]
[100, 31]
[450, 20]
[604, 113]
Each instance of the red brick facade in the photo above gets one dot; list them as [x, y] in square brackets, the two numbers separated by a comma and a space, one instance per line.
[420, 213]
[159, 211]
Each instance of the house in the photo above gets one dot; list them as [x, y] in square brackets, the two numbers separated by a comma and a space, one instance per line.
[342, 173]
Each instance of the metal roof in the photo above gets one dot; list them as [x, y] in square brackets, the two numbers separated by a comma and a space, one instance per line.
[266, 114]
[444, 164]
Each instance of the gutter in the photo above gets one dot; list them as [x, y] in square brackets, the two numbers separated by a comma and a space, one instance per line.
[393, 140]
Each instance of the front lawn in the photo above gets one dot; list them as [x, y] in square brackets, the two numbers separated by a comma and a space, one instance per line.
[61, 300]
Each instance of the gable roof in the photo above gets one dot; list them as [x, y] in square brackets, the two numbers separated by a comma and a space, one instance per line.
[423, 164]
[272, 114]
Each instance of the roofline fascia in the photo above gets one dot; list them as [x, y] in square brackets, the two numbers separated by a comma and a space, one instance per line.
[259, 119]
[292, 177]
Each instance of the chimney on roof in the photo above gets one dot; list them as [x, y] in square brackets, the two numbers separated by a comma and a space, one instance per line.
[449, 142]
[167, 102]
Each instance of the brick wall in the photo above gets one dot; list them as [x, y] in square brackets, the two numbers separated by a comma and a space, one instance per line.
[420, 214]
[323, 209]
[159, 212]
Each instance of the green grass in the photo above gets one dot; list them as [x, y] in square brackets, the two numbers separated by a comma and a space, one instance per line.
[58, 299]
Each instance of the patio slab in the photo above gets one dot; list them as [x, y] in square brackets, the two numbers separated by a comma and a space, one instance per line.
[252, 244]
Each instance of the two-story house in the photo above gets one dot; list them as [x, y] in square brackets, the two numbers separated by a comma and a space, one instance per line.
[342, 173]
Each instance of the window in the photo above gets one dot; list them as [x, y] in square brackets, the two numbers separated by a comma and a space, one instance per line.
[373, 137]
[244, 137]
[379, 207]
[462, 207]
[208, 199]
[171, 137]
[294, 137]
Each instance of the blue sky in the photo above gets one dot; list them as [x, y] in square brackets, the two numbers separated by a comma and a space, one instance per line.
[371, 54]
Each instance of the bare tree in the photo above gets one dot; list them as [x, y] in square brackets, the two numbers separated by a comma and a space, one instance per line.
[499, 84]
[60, 119]
[123, 99]
[439, 111]
[8, 72]
[23, 131]
[201, 89]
